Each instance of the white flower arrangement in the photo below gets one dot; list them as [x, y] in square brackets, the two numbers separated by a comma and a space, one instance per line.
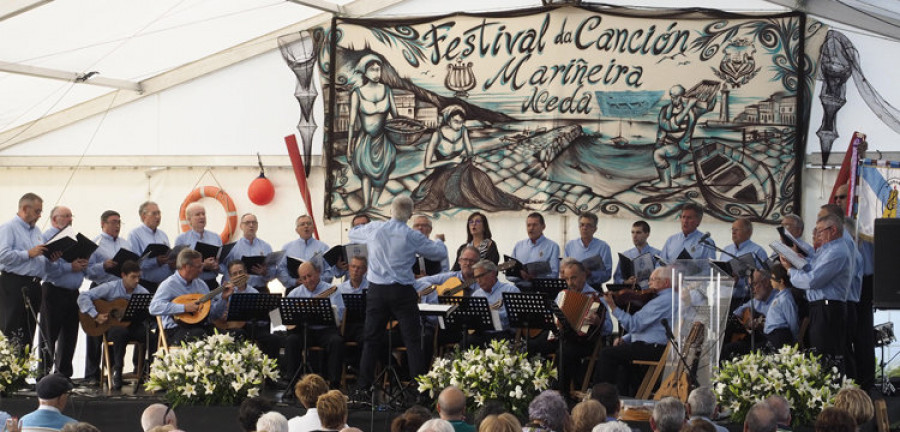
[16, 364]
[799, 377]
[212, 371]
[493, 373]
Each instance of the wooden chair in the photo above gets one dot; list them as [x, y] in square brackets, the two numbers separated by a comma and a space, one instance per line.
[590, 366]
[651, 377]
[106, 364]
[162, 343]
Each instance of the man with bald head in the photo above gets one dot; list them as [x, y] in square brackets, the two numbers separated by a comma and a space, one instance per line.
[326, 336]
[451, 406]
[59, 310]
[760, 418]
[158, 415]
[22, 266]
[196, 217]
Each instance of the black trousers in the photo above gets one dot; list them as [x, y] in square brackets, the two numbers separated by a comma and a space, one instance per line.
[573, 349]
[120, 336]
[328, 338]
[828, 328]
[614, 364]
[864, 340]
[187, 333]
[59, 323]
[383, 301]
[16, 322]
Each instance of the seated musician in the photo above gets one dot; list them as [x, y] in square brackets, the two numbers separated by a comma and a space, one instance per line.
[326, 336]
[185, 281]
[752, 317]
[120, 336]
[492, 289]
[575, 345]
[782, 319]
[257, 331]
[646, 338]
[355, 283]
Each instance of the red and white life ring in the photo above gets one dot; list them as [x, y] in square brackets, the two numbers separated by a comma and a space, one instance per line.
[231, 218]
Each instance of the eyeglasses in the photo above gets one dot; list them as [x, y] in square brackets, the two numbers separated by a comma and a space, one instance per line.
[467, 260]
[476, 222]
[250, 222]
[166, 414]
[840, 197]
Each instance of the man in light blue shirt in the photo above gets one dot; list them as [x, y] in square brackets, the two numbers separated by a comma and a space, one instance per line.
[153, 271]
[59, 310]
[305, 248]
[640, 231]
[688, 239]
[186, 281]
[751, 313]
[533, 249]
[327, 336]
[741, 231]
[121, 288]
[251, 245]
[491, 289]
[22, 265]
[826, 279]
[196, 217]
[108, 244]
[466, 276]
[590, 248]
[392, 248]
[646, 338]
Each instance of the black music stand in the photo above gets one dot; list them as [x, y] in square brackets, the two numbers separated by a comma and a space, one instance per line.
[138, 310]
[252, 307]
[355, 307]
[537, 310]
[472, 313]
[304, 312]
[549, 286]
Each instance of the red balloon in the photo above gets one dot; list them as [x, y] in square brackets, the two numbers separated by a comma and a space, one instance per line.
[261, 190]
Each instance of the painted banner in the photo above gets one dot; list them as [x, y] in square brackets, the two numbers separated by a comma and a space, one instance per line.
[876, 194]
[568, 110]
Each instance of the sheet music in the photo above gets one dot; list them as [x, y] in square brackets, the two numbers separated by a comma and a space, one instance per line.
[495, 319]
[795, 259]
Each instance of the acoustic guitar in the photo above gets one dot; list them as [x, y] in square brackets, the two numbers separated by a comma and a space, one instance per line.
[202, 300]
[115, 309]
[678, 383]
[456, 287]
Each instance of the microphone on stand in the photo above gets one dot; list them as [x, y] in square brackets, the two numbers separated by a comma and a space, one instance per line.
[665, 324]
[702, 240]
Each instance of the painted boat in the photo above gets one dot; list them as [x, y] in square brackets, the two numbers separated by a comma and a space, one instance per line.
[733, 183]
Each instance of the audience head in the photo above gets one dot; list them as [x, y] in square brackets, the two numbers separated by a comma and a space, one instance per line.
[550, 409]
[698, 425]
[490, 407]
[308, 390]
[401, 208]
[250, 411]
[668, 415]
[701, 402]
[608, 395]
[79, 427]
[436, 425]
[856, 402]
[53, 390]
[332, 409]
[833, 419]
[760, 418]
[451, 404]
[781, 408]
[587, 414]
[477, 224]
[612, 426]
[158, 415]
[272, 421]
[411, 420]
[504, 422]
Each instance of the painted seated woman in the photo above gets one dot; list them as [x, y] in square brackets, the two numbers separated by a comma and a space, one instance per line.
[456, 181]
